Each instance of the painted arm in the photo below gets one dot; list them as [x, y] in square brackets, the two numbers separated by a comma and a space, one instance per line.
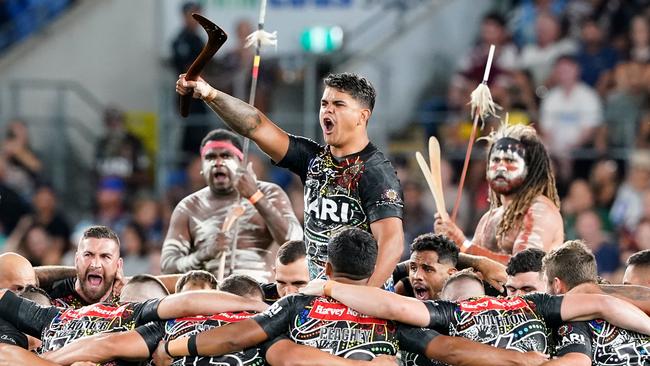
[101, 348]
[278, 214]
[463, 352]
[390, 242]
[287, 353]
[541, 225]
[242, 117]
[579, 307]
[176, 256]
[205, 302]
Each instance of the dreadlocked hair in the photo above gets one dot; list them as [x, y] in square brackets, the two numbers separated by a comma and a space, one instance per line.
[539, 178]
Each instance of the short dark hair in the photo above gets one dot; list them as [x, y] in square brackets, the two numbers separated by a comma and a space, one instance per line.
[445, 248]
[528, 260]
[291, 251]
[465, 274]
[358, 87]
[573, 263]
[197, 275]
[496, 18]
[641, 258]
[352, 253]
[101, 232]
[147, 278]
[241, 285]
[36, 294]
[221, 134]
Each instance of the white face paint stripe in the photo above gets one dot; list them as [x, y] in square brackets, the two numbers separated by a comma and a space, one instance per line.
[518, 162]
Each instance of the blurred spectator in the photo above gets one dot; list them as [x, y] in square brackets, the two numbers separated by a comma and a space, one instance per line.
[641, 236]
[33, 242]
[23, 166]
[570, 114]
[643, 135]
[596, 58]
[120, 155]
[524, 18]
[604, 181]
[639, 39]
[185, 47]
[417, 218]
[539, 58]
[450, 191]
[134, 250]
[623, 104]
[578, 200]
[146, 218]
[12, 205]
[589, 229]
[47, 215]
[110, 204]
[628, 206]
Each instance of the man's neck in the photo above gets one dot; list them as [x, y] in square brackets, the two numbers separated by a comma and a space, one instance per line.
[348, 281]
[353, 147]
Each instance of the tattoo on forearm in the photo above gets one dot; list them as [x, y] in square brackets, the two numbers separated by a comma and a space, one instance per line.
[639, 293]
[240, 116]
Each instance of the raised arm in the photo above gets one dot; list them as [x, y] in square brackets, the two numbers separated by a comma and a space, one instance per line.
[390, 241]
[242, 117]
[578, 307]
[373, 301]
[492, 271]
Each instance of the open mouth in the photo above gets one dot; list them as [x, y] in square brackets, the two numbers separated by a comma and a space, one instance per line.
[328, 125]
[220, 175]
[95, 280]
[421, 293]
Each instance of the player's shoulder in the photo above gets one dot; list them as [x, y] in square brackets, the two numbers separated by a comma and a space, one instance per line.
[542, 202]
[193, 198]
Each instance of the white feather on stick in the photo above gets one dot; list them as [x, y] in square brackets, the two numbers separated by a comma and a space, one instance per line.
[481, 101]
[263, 37]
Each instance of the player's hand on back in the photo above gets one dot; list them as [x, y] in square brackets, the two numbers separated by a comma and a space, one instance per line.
[534, 358]
[160, 356]
[492, 272]
[315, 287]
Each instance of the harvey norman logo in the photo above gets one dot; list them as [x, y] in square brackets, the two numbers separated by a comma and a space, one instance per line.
[94, 311]
[493, 304]
[336, 312]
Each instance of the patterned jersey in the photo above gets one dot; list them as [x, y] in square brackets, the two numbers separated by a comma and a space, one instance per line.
[604, 343]
[352, 191]
[56, 327]
[64, 295]
[518, 323]
[332, 327]
[181, 327]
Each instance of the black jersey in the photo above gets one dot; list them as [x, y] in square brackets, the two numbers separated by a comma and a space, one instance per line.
[333, 327]
[64, 295]
[10, 335]
[56, 327]
[604, 343]
[182, 327]
[352, 191]
[519, 323]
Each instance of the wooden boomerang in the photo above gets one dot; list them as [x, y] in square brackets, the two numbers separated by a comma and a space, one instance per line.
[436, 172]
[234, 214]
[216, 38]
[436, 192]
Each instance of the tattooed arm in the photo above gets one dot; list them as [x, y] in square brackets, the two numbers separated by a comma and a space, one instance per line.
[639, 296]
[243, 118]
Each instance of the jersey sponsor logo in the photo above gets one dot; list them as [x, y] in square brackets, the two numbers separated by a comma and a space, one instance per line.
[273, 310]
[571, 339]
[94, 311]
[6, 338]
[338, 312]
[336, 208]
[493, 304]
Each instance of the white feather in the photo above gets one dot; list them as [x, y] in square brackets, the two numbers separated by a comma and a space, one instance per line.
[265, 39]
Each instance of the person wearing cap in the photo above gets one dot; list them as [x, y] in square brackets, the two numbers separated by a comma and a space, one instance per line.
[197, 234]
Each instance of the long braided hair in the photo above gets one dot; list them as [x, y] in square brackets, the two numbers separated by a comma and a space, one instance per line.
[539, 179]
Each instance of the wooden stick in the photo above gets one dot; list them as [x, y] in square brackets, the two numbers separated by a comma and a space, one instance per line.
[436, 172]
[435, 191]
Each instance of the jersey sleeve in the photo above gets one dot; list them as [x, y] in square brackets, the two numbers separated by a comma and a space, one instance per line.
[146, 312]
[440, 314]
[152, 333]
[10, 335]
[573, 337]
[275, 320]
[26, 315]
[548, 307]
[415, 340]
[301, 151]
[381, 193]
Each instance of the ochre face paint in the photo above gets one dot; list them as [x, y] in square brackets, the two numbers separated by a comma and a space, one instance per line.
[507, 168]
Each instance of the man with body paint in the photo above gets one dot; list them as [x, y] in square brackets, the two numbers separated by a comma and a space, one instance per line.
[195, 237]
[524, 210]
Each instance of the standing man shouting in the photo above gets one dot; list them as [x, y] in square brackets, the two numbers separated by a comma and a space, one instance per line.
[348, 181]
[195, 236]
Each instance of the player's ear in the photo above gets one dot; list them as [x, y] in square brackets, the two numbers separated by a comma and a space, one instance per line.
[328, 270]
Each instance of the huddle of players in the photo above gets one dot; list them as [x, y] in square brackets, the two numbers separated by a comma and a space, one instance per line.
[455, 323]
